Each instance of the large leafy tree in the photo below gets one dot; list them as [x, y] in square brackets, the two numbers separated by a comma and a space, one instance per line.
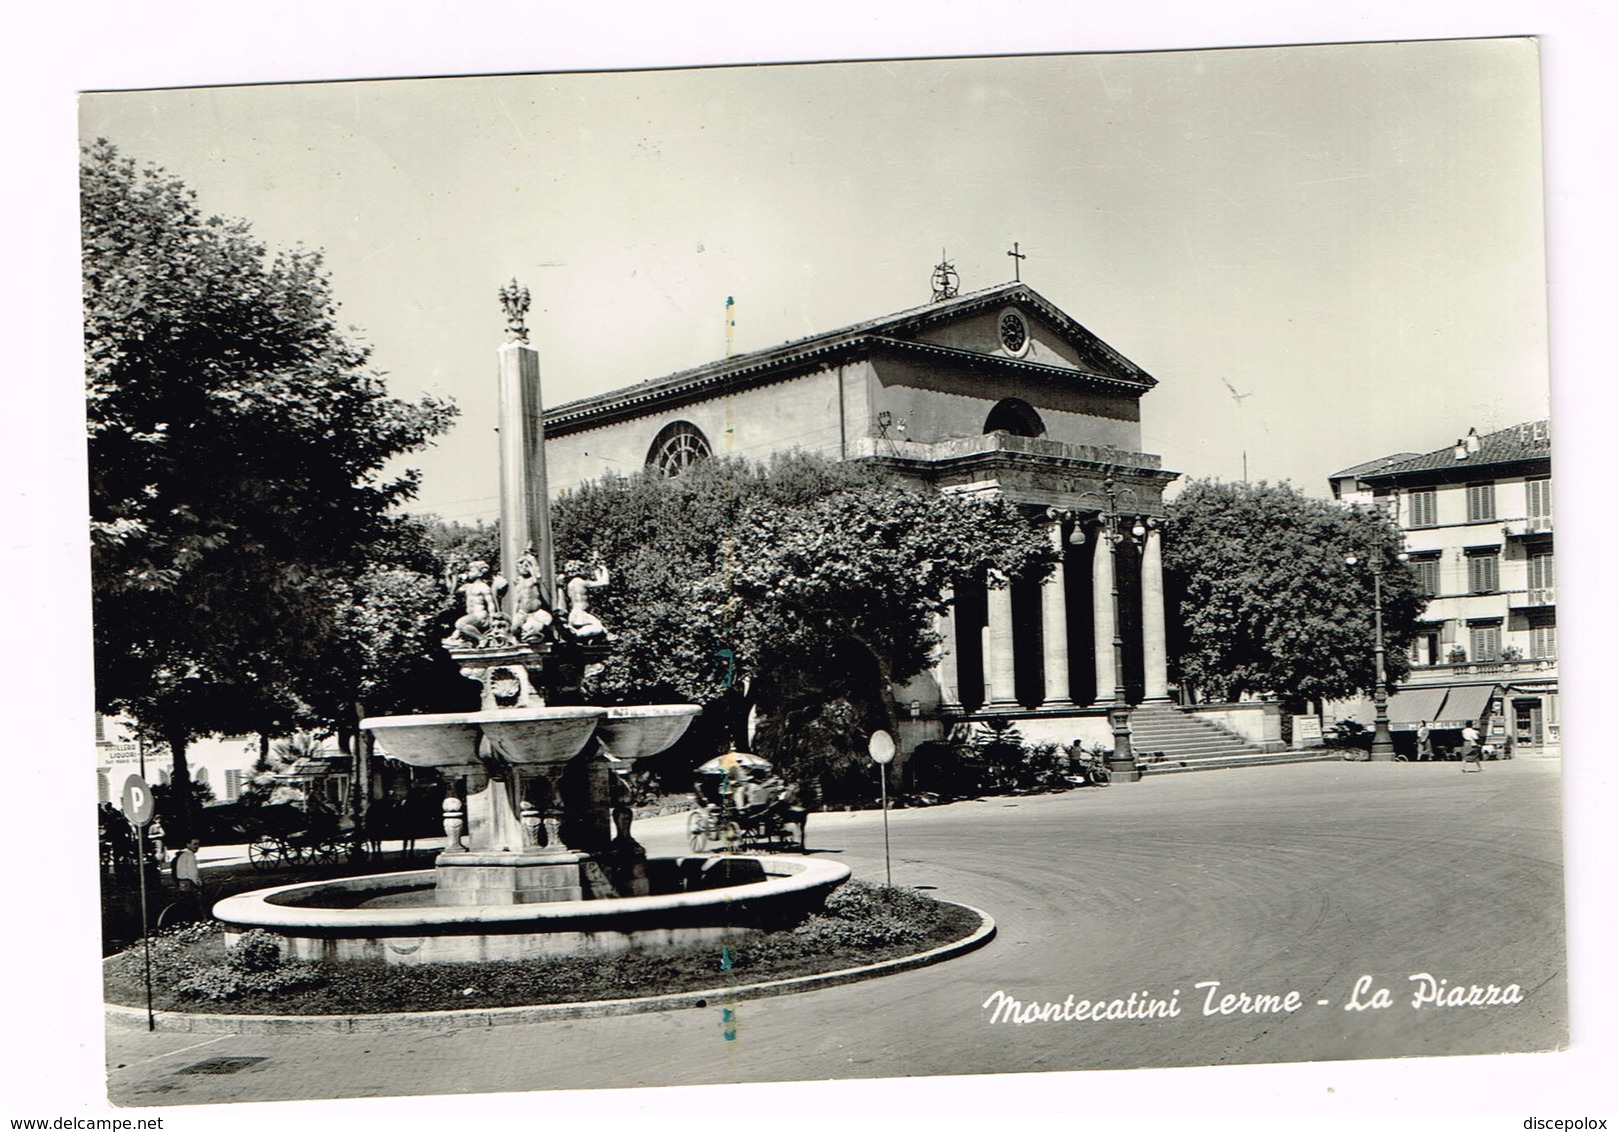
[386, 656]
[804, 589]
[1262, 601]
[236, 448]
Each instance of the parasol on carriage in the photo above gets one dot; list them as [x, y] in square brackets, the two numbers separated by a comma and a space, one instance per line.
[728, 772]
[734, 763]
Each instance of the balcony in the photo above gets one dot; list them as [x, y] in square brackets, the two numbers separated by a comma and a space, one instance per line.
[1540, 526]
[1541, 597]
[1471, 671]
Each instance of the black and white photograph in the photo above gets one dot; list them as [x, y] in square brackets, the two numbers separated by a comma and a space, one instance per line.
[746, 578]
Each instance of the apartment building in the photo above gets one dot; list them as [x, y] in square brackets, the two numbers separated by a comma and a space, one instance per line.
[1479, 528]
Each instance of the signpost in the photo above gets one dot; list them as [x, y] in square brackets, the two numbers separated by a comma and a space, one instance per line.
[139, 806]
[881, 748]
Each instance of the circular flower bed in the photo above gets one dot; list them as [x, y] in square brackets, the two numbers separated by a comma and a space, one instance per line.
[193, 971]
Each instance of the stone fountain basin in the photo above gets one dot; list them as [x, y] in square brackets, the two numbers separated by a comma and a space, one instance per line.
[536, 735]
[389, 917]
[631, 733]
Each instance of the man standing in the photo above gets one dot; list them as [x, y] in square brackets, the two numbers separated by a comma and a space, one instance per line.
[187, 877]
[1424, 742]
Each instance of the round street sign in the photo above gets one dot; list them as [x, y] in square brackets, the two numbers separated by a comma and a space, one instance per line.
[881, 747]
[138, 803]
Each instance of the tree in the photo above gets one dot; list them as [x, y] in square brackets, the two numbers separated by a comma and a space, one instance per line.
[806, 588]
[1263, 602]
[236, 449]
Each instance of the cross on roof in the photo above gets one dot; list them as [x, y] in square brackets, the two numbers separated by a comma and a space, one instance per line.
[1016, 260]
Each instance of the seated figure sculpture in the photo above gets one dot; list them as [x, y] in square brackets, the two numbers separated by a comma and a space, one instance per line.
[530, 607]
[477, 588]
[580, 580]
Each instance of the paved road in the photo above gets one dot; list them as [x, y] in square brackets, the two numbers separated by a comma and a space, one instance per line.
[1293, 878]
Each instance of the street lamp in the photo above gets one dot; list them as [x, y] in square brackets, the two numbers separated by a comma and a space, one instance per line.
[1382, 737]
[1122, 762]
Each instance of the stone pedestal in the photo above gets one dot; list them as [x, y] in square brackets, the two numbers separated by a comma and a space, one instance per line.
[510, 878]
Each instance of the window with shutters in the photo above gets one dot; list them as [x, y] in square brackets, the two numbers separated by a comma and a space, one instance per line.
[1539, 504]
[1479, 502]
[1426, 648]
[1542, 577]
[1426, 572]
[1485, 643]
[1542, 642]
[1483, 572]
[1424, 508]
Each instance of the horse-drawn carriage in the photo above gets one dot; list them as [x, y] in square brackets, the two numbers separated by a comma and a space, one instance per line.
[743, 804]
[283, 834]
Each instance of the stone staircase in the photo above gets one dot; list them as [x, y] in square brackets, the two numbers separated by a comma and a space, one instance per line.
[1187, 742]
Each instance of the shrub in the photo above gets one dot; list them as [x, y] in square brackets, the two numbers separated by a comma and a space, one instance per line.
[253, 965]
[861, 915]
[993, 758]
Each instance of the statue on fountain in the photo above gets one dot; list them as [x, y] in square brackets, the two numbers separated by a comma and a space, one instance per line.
[479, 587]
[532, 619]
[581, 579]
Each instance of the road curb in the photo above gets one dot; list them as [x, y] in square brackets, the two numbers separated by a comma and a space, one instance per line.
[134, 1017]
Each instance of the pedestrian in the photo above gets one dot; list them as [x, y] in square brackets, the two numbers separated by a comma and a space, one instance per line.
[1424, 742]
[188, 877]
[1469, 748]
[158, 852]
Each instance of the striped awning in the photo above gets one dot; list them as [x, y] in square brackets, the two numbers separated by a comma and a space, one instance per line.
[1466, 703]
[1407, 709]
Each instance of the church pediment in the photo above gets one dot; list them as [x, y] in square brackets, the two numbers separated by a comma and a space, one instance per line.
[1016, 323]
[1013, 322]
[1009, 325]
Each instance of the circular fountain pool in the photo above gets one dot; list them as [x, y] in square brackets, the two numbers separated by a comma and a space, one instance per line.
[393, 917]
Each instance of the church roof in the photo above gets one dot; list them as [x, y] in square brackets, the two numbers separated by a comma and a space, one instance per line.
[893, 332]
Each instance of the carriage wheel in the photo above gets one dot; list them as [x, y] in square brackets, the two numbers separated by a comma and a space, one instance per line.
[264, 853]
[696, 829]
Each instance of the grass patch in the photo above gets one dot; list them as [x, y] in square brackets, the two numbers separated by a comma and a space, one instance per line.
[193, 971]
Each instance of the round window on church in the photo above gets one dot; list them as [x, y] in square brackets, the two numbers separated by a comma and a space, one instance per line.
[1013, 332]
[677, 447]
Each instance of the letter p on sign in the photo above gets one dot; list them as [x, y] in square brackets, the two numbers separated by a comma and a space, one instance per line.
[138, 804]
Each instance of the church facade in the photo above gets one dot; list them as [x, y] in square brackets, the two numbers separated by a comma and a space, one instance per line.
[992, 391]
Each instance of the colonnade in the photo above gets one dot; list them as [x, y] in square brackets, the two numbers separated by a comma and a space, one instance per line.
[1000, 645]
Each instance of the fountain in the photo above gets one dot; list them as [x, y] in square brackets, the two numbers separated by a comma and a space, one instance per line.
[539, 857]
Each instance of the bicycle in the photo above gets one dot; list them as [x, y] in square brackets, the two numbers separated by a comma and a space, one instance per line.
[1093, 770]
[178, 913]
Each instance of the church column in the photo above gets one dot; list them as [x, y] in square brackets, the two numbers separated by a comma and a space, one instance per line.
[946, 669]
[1053, 622]
[999, 652]
[1101, 591]
[1154, 637]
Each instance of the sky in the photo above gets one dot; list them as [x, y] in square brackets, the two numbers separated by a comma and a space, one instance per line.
[1350, 238]
[1324, 254]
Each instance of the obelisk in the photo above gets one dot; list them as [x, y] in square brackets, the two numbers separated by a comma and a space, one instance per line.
[525, 515]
